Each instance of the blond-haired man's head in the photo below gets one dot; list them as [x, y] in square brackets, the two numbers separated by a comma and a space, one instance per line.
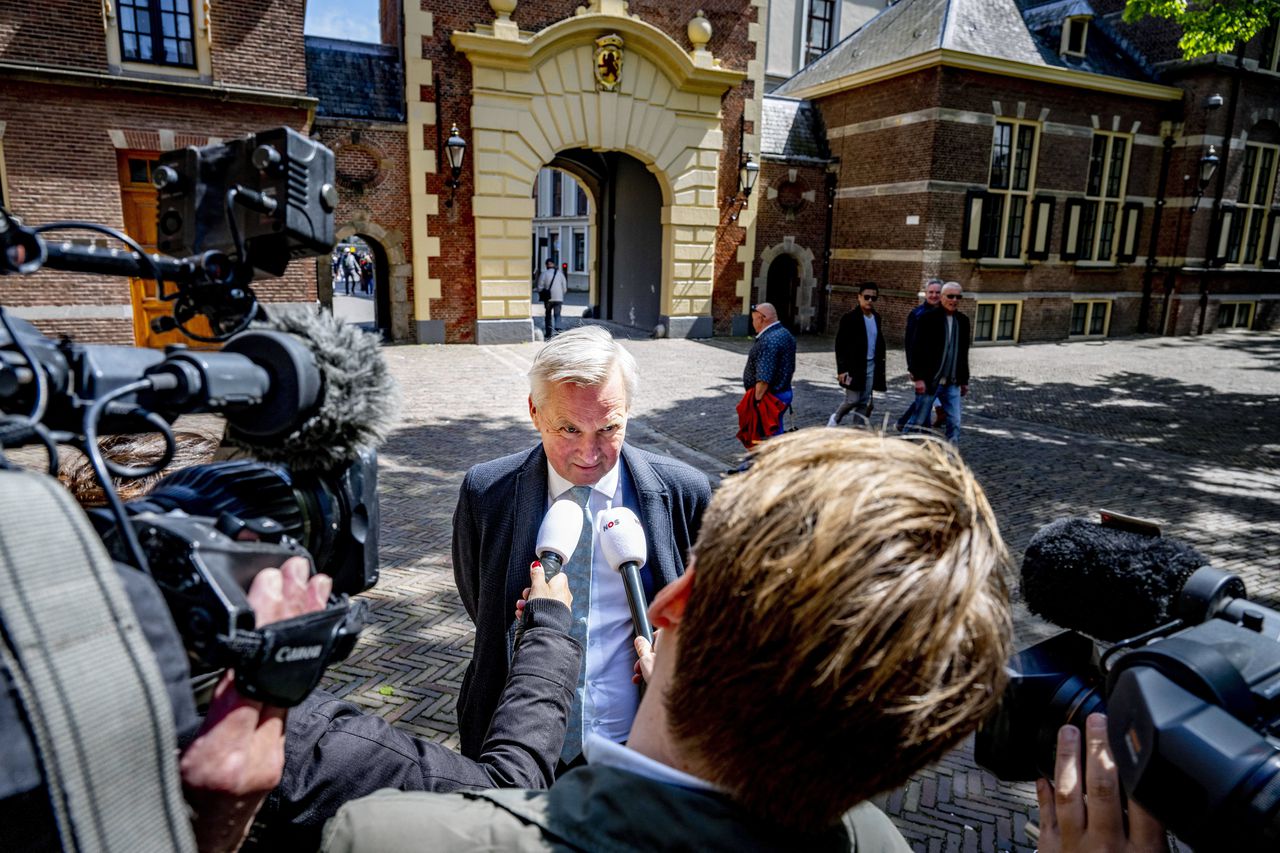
[846, 622]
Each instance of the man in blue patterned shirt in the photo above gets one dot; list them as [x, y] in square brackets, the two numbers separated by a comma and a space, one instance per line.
[772, 359]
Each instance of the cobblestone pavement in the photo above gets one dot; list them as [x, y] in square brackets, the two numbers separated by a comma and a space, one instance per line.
[1182, 431]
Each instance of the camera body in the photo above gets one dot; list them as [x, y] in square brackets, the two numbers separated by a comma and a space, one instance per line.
[263, 192]
[1193, 714]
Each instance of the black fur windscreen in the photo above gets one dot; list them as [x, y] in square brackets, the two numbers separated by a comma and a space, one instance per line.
[359, 399]
[1109, 584]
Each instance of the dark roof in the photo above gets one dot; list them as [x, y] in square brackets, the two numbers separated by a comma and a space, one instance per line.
[791, 129]
[1024, 31]
[355, 79]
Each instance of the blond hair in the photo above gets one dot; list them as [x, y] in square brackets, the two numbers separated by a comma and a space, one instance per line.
[849, 622]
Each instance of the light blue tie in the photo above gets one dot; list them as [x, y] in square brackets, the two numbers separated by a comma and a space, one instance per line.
[578, 571]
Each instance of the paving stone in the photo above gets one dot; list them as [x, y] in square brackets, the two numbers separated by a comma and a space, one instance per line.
[1185, 431]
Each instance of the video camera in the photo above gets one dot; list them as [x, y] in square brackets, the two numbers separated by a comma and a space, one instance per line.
[233, 211]
[1193, 705]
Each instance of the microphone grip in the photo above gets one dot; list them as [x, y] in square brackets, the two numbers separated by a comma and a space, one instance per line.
[635, 600]
[551, 563]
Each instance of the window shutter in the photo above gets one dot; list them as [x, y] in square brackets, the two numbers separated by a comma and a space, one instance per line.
[1071, 228]
[974, 200]
[1041, 227]
[1130, 227]
[1222, 237]
[1271, 246]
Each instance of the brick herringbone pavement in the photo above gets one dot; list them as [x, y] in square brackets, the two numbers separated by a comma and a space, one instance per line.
[1179, 430]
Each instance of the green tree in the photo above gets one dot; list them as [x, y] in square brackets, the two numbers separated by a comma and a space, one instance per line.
[1212, 26]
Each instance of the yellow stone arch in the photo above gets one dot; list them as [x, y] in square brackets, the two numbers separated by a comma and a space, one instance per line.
[534, 95]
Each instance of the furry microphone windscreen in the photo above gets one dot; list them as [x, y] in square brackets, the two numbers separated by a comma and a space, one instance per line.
[1109, 584]
[359, 399]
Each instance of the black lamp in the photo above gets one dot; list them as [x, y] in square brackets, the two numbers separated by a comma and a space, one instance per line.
[748, 171]
[456, 150]
[1208, 165]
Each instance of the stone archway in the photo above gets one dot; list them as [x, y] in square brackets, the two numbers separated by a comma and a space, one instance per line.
[399, 272]
[534, 96]
[806, 293]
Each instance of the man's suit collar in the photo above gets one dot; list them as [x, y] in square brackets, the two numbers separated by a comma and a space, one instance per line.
[654, 509]
[530, 506]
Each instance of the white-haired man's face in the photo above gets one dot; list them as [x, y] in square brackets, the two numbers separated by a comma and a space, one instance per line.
[582, 427]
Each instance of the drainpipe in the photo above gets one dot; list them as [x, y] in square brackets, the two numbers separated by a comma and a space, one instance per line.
[1148, 275]
[824, 290]
[1220, 190]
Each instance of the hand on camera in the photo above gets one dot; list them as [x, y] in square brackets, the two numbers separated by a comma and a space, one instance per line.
[238, 756]
[1088, 817]
[539, 587]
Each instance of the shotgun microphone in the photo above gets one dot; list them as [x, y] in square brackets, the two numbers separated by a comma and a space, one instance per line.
[622, 542]
[1107, 583]
[558, 535]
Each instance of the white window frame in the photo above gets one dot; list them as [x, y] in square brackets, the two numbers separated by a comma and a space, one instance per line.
[201, 36]
[1008, 193]
[573, 249]
[1252, 212]
[997, 306]
[1272, 62]
[808, 53]
[1093, 305]
[1067, 24]
[1250, 306]
[1102, 198]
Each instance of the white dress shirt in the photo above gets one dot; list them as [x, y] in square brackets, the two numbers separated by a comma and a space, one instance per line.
[610, 700]
[601, 752]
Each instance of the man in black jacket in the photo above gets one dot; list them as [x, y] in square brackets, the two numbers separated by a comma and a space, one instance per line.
[932, 298]
[859, 355]
[938, 358]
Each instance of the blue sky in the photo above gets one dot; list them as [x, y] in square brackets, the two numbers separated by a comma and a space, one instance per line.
[343, 19]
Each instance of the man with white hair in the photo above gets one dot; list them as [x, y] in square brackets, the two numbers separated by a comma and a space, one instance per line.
[581, 388]
[938, 360]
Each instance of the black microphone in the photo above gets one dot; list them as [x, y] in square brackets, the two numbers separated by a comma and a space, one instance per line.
[558, 535]
[1110, 584]
[305, 348]
[622, 542]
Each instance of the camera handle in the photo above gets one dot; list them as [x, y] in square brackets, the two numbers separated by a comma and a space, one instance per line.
[210, 284]
[282, 663]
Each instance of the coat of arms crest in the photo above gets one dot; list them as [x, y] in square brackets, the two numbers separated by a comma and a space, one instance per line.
[608, 65]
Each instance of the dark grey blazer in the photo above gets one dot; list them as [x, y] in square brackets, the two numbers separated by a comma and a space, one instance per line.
[495, 529]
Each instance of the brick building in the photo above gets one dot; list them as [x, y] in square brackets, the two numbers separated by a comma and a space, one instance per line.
[650, 106]
[87, 105]
[1044, 154]
[361, 117]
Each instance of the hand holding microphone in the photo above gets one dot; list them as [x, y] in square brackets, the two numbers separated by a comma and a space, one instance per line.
[622, 542]
[557, 538]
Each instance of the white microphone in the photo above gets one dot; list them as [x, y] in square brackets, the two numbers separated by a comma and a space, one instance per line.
[558, 535]
[623, 544]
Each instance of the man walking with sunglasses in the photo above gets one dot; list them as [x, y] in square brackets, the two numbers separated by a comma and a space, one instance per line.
[859, 355]
[938, 358]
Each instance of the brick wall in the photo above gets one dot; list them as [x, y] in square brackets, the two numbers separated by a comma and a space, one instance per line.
[455, 266]
[258, 44]
[61, 164]
[384, 201]
[77, 41]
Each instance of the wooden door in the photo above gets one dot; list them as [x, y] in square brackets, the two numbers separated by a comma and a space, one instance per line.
[138, 203]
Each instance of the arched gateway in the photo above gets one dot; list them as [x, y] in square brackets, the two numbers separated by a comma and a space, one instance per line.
[537, 95]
